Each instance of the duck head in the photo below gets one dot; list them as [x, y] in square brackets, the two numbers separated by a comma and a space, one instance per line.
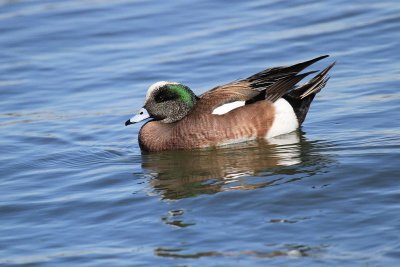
[166, 102]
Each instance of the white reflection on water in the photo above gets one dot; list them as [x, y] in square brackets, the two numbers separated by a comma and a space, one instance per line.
[247, 166]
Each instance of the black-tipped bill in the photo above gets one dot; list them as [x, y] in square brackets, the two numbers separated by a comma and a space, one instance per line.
[141, 115]
[128, 122]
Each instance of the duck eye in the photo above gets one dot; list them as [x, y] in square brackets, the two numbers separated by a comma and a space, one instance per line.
[165, 94]
[141, 113]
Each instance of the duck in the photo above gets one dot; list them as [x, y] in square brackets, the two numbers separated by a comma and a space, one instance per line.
[265, 105]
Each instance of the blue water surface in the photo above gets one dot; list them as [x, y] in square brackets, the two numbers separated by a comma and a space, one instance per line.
[76, 190]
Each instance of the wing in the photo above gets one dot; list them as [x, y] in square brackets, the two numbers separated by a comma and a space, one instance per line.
[270, 84]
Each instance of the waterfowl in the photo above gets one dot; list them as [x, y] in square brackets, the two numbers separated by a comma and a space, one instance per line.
[264, 105]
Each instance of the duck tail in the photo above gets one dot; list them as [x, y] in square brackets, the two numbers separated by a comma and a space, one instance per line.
[301, 97]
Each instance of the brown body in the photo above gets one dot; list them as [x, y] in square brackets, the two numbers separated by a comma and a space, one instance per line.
[200, 129]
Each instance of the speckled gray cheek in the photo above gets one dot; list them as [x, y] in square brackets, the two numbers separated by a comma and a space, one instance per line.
[155, 110]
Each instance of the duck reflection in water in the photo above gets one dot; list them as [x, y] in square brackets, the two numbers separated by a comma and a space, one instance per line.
[247, 166]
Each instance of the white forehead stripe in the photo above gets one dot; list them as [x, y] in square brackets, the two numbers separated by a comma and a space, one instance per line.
[155, 86]
[225, 108]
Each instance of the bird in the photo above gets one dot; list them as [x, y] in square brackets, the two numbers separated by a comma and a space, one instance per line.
[267, 104]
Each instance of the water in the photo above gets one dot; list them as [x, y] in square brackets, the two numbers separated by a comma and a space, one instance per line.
[76, 190]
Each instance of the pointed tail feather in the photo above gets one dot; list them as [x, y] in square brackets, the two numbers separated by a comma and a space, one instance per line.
[282, 87]
[300, 98]
[317, 83]
[302, 65]
[260, 81]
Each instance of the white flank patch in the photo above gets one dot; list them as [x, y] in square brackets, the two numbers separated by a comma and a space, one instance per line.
[155, 86]
[225, 108]
[285, 120]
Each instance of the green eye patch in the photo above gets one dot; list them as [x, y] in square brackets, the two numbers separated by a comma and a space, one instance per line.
[182, 92]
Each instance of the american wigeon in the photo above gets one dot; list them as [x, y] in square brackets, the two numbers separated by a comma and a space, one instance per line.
[264, 105]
